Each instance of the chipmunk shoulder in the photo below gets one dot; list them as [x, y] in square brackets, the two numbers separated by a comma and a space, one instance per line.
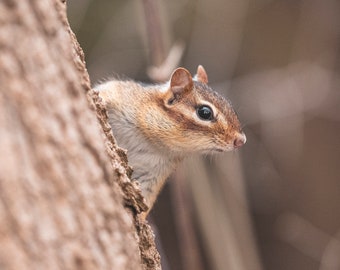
[161, 124]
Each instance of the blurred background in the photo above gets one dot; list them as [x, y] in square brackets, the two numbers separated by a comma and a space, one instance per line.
[275, 203]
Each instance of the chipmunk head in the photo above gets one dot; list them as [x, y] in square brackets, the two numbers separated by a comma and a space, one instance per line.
[197, 119]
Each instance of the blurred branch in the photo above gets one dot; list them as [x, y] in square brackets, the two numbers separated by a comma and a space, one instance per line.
[309, 240]
[330, 257]
[154, 31]
[162, 63]
[223, 215]
[190, 253]
[162, 72]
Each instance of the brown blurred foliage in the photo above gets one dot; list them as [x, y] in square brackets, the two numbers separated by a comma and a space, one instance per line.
[277, 199]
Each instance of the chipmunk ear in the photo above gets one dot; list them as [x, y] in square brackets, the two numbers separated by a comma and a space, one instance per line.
[201, 75]
[180, 82]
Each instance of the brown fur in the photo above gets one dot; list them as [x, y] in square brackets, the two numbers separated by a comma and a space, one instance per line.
[159, 126]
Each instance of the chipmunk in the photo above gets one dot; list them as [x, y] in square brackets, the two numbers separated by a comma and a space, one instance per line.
[161, 124]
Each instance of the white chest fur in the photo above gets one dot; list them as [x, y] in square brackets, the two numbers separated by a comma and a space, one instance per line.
[151, 166]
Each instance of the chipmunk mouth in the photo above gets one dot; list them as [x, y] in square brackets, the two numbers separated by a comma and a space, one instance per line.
[222, 148]
[218, 150]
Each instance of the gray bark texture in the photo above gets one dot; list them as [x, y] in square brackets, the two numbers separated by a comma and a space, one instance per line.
[63, 182]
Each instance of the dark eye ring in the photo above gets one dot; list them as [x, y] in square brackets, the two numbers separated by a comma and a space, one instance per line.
[205, 113]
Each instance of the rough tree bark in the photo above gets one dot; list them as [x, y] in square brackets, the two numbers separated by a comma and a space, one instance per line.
[60, 204]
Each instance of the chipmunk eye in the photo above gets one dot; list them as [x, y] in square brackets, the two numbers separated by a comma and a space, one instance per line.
[205, 112]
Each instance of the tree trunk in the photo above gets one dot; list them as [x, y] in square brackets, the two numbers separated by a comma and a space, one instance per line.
[60, 204]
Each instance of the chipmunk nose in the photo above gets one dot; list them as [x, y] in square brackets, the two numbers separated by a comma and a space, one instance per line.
[240, 140]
